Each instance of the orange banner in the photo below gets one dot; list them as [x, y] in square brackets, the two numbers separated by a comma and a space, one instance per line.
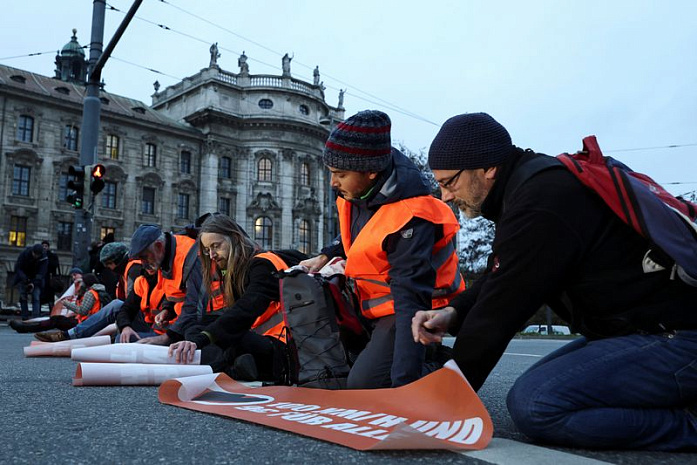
[439, 411]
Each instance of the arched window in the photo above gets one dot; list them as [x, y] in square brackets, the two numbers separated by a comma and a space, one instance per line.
[263, 231]
[264, 170]
[304, 237]
[305, 174]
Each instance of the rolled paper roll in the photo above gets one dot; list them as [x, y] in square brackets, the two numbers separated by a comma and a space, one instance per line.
[108, 330]
[129, 353]
[63, 348]
[133, 374]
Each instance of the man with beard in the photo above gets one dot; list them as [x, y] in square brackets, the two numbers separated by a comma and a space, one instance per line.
[630, 381]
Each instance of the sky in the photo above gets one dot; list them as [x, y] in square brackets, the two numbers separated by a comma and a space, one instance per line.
[552, 72]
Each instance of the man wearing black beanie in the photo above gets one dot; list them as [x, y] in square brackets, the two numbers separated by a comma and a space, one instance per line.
[630, 382]
[398, 242]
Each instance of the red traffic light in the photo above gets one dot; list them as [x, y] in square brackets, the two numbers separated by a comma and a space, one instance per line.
[98, 171]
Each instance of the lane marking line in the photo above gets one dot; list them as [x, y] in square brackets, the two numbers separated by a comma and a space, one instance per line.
[502, 451]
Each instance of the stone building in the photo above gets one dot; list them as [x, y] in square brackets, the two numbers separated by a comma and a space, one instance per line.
[243, 144]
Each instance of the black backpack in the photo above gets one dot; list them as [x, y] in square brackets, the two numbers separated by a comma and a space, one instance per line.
[323, 333]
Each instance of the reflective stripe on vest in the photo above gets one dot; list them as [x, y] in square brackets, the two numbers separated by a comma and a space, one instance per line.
[367, 263]
[270, 323]
[122, 285]
[216, 299]
[173, 285]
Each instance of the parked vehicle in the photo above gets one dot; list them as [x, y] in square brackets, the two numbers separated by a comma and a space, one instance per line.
[542, 329]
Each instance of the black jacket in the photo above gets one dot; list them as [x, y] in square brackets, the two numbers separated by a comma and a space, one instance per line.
[557, 243]
[261, 289]
[31, 269]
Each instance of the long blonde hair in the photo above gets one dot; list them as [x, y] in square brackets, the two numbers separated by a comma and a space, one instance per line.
[242, 250]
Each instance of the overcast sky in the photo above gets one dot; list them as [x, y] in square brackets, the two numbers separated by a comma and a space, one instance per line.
[552, 72]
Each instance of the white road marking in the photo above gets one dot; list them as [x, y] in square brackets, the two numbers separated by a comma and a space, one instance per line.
[508, 452]
[522, 355]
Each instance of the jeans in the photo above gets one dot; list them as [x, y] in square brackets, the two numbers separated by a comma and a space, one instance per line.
[98, 321]
[630, 392]
[24, 301]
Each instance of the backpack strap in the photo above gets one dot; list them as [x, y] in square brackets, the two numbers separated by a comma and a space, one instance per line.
[525, 170]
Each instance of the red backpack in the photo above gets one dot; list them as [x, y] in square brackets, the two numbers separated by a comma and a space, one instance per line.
[668, 222]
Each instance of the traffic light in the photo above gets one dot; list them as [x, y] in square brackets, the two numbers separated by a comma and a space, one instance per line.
[77, 185]
[97, 183]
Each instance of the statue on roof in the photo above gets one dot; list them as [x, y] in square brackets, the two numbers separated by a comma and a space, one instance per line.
[285, 64]
[242, 63]
[315, 75]
[341, 98]
[214, 56]
[156, 85]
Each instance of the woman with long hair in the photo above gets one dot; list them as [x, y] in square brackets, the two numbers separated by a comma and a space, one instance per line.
[241, 331]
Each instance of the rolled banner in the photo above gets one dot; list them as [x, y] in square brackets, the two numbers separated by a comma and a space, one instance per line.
[129, 353]
[63, 348]
[133, 374]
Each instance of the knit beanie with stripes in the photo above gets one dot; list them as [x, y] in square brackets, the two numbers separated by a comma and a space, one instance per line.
[360, 143]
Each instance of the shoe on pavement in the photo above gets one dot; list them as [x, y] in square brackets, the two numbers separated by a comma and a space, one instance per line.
[244, 368]
[51, 336]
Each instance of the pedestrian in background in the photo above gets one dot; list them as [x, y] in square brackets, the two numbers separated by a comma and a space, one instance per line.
[30, 272]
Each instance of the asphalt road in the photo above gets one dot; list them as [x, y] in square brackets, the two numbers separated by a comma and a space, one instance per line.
[47, 420]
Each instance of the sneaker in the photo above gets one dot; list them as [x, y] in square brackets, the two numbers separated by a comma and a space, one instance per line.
[244, 368]
[51, 336]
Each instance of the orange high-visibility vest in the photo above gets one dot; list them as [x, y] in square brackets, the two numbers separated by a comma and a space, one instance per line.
[366, 261]
[270, 323]
[173, 287]
[121, 291]
[150, 302]
[95, 307]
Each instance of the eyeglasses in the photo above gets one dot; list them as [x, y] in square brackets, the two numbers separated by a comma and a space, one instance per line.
[449, 183]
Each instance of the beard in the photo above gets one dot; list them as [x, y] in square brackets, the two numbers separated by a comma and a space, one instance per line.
[470, 211]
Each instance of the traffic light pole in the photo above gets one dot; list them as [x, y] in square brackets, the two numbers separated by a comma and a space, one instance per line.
[89, 139]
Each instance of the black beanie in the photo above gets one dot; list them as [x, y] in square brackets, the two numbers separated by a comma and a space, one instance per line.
[470, 141]
[361, 143]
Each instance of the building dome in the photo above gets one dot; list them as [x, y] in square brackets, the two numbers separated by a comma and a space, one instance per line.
[73, 48]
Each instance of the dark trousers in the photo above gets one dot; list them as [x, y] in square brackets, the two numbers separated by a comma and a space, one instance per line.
[372, 367]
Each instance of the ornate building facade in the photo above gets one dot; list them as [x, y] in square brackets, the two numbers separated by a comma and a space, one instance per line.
[242, 144]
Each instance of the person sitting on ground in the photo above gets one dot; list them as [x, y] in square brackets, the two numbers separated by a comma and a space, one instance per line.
[242, 333]
[30, 270]
[146, 312]
[114, 256]
[91, 298]
[399, 245]
[176, 258]
[630, 381]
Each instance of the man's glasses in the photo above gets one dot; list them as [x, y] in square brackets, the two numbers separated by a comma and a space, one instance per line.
[448, 183]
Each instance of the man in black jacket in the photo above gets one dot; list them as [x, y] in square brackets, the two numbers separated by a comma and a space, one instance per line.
[630, 381]
[30, 272]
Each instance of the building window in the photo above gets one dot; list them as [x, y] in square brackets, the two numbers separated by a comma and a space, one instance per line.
[263, 231]
[224, 205]
[304, 237]
[225, 168]
[18, 231]
[265, 104]
[264, 170]
[25, 128]
[70, 136]
[183, 206]
[148, 205]
[112, 146]
[63, 187]
[20, 181]
[305, 174]
[185, 162]
[150, 155]
[109, 195]
[105, 231]
[304, 110]
[65, 235]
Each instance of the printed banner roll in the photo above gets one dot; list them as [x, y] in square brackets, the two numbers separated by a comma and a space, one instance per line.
[129, 353]
[133, 374]
[439, 411]
[63, 348]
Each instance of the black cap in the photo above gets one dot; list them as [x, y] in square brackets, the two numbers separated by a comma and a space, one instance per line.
[145, 235]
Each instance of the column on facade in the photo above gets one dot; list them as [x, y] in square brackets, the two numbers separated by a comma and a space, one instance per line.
[209, 182]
